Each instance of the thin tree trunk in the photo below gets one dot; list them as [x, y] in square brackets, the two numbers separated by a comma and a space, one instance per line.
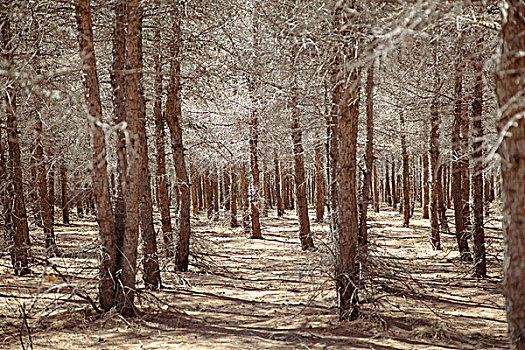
[369, 157]
[233, 197]
[280, 206]
[226, 189]
[387, 185]
[406, 174]
[434, 161]
[465, 166]
[214, 181]
[149, 236]
[266, 187]
[64, 193]
[45, 207]
[160, 137]
[118, 83]
[376, 189]
[17, 218]
[173, 118]
[457, 154]
[395, 199]
[478, 233]
[510, 86]
[320, 183]
[254, 193]
[51, 187]
[245, 203]
[125, 294]
[426, 189]
[194, 190]
[305, 234]
[99, 172]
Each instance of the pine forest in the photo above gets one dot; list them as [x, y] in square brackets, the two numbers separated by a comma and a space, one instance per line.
[262, 174]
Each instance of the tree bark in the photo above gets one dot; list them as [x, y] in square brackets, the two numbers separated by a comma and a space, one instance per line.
[245, 202]
[16, 218]
[266, 187]
[376, 189]
[305, 234]
[406, 174]
[395, 197]
[436, 191]
[51, 186]
[45, 205]
[320, 184]
[64, 193]
[149, 236]
[426, 189]
[346, 103]
[226, 189]
[457, 154]
[510, 85]
[125, 294]
[387, 185]
[233, 198]
[194, 190]
[369, 157]
[478, 233]
[118, 84]
[173, 118]
[254, 166]
[280, 206]
[160, 137]
[99, 172]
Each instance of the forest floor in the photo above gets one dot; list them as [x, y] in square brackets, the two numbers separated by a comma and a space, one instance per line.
[265, 294]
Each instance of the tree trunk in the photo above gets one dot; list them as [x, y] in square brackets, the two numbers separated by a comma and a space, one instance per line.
[457, 154]
[465, 166]
[436, 192]
[305, 234]
[406, 174]
[254, 193]
[510, 85]
[194, 190]
[388, 194]
[99, 168]
[426, 189]
[478, 233]
[51, 187]
[173, 118]
[160, 137]
[369, 157]
[266, 187]
[226, 189]
[17, 217]
[45, 207]
[395, 198]
[125, 294]
[245, 203]
[64, 193]
[149, 236]
[280, 206]
[233, 198]
[346, 98]
[376, 188]
[214, 181]
[118, 84]
[320, 184]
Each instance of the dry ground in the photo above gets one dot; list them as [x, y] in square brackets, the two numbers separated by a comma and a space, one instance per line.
[265, 294]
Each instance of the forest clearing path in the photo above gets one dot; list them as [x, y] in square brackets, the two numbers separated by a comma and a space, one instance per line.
[243, 293]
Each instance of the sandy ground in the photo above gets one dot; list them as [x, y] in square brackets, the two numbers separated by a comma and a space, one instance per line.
[265, 294]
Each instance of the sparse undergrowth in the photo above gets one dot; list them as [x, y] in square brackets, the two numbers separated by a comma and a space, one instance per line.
[242, 293]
